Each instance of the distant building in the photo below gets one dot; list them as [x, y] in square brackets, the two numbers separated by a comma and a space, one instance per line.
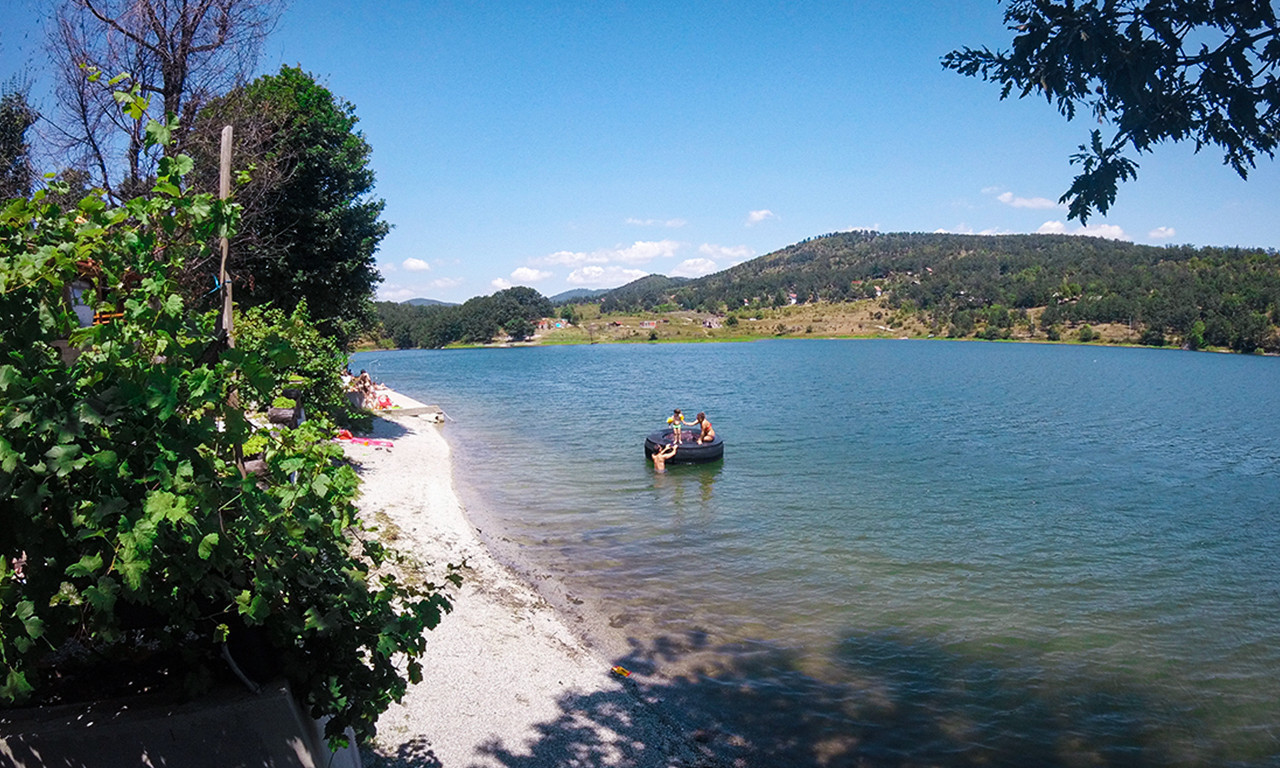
[648, 324]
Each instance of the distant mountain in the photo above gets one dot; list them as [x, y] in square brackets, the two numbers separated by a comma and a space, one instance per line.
[579, 294]
[429, 303]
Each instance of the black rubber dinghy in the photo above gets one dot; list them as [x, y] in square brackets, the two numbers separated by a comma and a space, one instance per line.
[690, 450]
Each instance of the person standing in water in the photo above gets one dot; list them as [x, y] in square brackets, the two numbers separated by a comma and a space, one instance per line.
[660, 457]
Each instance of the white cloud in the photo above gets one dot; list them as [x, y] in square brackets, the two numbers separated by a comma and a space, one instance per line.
[1035, 203]
[755, 217]
[395, 293]
[500, 283]
[415, 265]
[526, 275]
[1162, 233]
[612, 276]
[694, 268]
[668, 223]
[965, 229]
[1109, 231]
[638, 252]
[736, 254]
[447, 282]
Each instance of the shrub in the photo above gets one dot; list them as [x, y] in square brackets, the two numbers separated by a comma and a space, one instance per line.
[128, 529]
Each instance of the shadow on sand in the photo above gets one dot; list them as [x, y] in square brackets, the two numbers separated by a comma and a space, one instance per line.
[898, 701]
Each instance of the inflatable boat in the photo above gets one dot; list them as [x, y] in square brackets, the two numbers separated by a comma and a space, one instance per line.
[690, 451]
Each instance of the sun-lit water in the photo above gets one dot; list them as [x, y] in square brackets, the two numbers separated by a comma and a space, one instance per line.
[912, 552]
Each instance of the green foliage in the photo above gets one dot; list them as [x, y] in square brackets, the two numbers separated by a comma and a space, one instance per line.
[126, 527]
[478, 321]
[1182, 70]
[1086, 334]
[16, 117]
[314, 361]
[311, 227]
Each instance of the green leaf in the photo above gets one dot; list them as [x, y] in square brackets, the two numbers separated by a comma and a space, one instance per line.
[16, 687]
[320, 486]
[102, 596]
[88, 565]
[64, 459]
[206, 546]
[105, 459]
[314, 620]
[34, 626]
[255, 607]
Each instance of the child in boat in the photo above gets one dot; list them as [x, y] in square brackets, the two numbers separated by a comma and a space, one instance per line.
[676, 420]
[660, 457]
[708, 434]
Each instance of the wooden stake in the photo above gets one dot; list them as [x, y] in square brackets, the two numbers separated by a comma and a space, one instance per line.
[224, 191]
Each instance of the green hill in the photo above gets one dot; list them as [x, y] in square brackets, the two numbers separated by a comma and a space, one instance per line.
[962, 285]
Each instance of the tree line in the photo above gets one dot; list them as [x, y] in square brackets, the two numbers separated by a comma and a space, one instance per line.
[512, 313]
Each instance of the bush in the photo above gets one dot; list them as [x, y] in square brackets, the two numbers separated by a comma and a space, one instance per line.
[1086, 334]
[312, 363]
[130, 538]
[1152, 337]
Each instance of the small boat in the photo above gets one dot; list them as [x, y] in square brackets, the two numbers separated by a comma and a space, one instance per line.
[690, 450]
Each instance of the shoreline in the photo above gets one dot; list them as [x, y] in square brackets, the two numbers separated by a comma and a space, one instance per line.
[503, 675]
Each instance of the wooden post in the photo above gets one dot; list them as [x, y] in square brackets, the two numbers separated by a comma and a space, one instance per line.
[224, 191]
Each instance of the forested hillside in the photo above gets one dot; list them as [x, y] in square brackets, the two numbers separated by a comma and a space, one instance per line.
[951, 285]
[967, 284]
[513, 312]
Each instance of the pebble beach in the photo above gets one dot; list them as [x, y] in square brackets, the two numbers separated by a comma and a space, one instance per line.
[506, 683]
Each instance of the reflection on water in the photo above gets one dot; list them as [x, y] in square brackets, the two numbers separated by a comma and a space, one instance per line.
[946, 553]
[682, 484]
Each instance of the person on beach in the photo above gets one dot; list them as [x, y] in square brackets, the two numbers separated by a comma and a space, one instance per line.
[676, 420]
[708, 434]
[660, 457]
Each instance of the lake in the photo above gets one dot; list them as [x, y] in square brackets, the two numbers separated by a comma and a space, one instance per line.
[913, 552]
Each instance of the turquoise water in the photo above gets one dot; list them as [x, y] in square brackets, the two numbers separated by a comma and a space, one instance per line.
[913, 552]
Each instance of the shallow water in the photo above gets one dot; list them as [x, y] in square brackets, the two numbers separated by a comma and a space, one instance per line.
[913, 552]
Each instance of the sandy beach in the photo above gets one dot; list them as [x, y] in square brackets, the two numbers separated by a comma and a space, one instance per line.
[506, 683]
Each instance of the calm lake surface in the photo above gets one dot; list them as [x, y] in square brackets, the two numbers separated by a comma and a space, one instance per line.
[913, 552]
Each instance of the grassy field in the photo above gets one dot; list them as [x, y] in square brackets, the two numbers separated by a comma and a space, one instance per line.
[872, 318]
[867, 319]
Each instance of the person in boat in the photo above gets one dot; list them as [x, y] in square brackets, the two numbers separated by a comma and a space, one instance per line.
[708, 433]
[660, 457]
[676, 420]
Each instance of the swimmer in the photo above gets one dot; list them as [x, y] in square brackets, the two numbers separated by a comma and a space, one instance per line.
[660, 457]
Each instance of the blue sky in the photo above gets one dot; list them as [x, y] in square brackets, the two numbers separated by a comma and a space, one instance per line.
[581, 145]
